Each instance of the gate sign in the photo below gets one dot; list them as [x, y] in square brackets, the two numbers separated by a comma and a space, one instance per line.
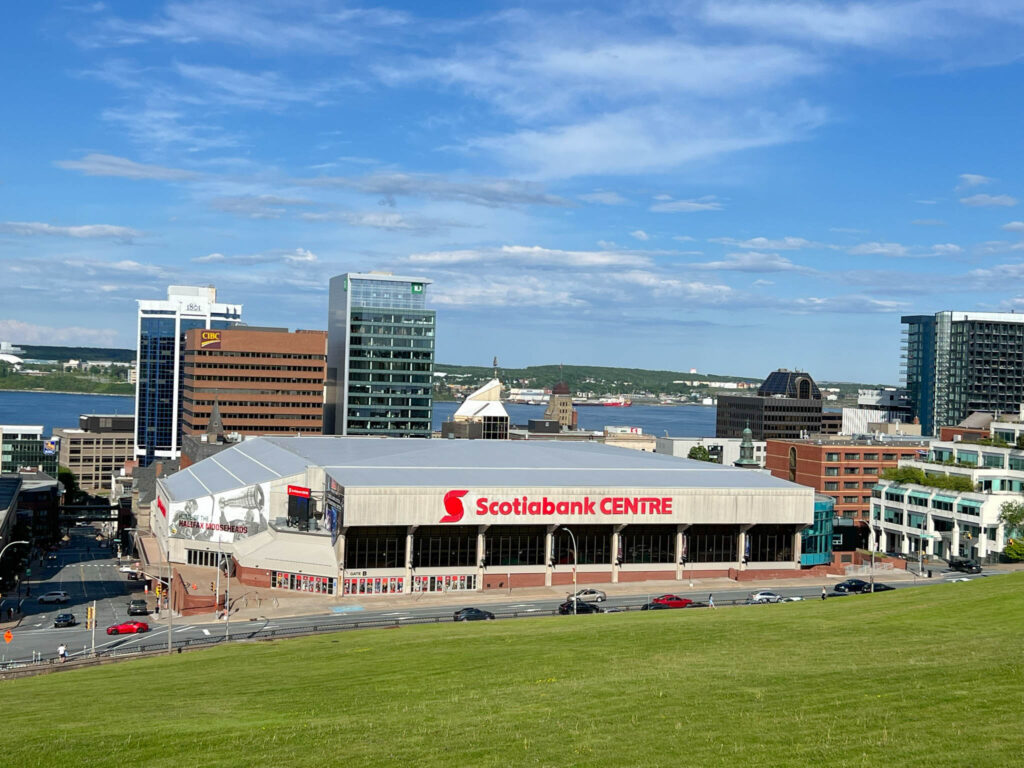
[298, 490]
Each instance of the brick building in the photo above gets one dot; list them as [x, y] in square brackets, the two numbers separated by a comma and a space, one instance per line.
[264, 381]
[846, 470]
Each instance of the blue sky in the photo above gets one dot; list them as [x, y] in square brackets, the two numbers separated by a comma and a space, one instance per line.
[727, 186]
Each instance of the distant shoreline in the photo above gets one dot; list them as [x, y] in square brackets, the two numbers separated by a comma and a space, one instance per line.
[62, 392]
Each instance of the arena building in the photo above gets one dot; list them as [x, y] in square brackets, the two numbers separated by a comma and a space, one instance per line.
[359, 515]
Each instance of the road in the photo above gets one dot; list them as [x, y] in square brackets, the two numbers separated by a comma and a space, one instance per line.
[88, 573]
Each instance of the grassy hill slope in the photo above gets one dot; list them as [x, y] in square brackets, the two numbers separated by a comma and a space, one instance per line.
[923, 677]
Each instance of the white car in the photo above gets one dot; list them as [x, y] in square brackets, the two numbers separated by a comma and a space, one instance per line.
[764, 596]
[54, 597]
[590, 595]
[126, 569]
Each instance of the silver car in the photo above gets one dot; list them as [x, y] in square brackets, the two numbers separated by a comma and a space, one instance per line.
[764, 596]
[590, 596]
[54, 597]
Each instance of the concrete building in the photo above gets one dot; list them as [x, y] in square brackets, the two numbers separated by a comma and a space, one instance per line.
[787, 405]
[380, 356]
[481, 416]
[724, 450]
[844, 468]
[960, 362]
[23, 447]
[350, 516]
[913, 517]
[97, 449]
[262, 381]
[159, 363]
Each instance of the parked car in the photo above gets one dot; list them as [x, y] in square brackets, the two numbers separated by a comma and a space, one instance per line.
[473, 614]
[672, 601]
[134, 576]
[65, 620]
[654, 607]
[591, 595]
[852, 586]
[54, 597]
[880, 588]
[578, 606]
[964, 565]
[765, 596]
[138, 608]
[128, 628]
[126, 569]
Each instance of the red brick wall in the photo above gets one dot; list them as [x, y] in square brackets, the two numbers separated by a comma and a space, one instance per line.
[565, 577]
[253, 577]
[646, 575]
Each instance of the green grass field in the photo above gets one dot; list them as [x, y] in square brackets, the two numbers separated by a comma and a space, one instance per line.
[926, 677]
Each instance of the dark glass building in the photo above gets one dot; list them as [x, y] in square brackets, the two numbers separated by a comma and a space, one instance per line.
[380, 356]
[957, 363]
[162, 328]
[787, 405]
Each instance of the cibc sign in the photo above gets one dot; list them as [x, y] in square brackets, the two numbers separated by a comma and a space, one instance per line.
[209, 340]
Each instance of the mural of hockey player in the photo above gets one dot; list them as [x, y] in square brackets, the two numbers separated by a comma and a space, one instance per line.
[187, 525]
[252, 501]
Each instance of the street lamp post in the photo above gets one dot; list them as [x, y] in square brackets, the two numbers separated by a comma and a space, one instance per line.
[575, 563]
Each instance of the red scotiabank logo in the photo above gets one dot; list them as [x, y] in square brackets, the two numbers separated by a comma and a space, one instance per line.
[453, 506]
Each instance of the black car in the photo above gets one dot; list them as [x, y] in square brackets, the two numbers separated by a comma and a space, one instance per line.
[578, 607]
[964, 565]
[852, 586]
[65, 620]
[473, 614]
[655, 607]
[138, 608]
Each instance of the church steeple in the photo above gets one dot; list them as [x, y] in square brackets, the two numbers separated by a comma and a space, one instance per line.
[746, 460]
[215, 429]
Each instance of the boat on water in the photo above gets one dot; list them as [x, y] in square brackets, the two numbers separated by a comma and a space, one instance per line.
[616, 402]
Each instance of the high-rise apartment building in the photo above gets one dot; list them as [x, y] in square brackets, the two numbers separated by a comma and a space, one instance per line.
[162, 329]
[380, 356]
[263, 381]
[960, 362]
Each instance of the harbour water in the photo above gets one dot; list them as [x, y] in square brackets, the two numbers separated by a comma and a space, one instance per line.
[51, 410]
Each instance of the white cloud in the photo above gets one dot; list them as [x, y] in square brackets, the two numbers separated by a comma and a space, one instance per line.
[763, 283]
[535, 255]
[604, 198]
[976, 201]
[927, 202]
[260, 90]
[492, 193]
[654, 138]
[706, 203]
[19, 332]
[946, 249]
[111, 165]
[1013, 226]
[85, 231]
[973, 180]
[854, 304]
[296, 256]
[878, 249]
[928, 223]
[475, 291]
[639, 234]
[752, 261]
[257, 206]
[386, 220]
[768, 244]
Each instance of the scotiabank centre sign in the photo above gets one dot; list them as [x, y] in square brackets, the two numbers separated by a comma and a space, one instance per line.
[487, 508]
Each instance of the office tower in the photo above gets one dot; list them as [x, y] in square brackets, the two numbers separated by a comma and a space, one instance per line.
[162, 329]
[960, 362]
[380, 356]
[23, 447]
[97, 449]
[262, 381]
[787, 405]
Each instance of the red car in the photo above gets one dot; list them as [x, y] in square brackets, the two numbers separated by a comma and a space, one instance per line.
[128, 628]
[672, 601]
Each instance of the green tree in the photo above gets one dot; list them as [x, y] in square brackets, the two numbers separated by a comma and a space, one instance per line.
[1014, 549]
[1011, 513]
[67, 478]
[700, 453]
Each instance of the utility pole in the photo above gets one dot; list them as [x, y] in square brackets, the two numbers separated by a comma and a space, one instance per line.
[170, 604]
[93, 627]
[227, 604]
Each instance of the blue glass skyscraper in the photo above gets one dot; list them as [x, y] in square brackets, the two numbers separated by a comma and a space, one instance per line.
[162, 327]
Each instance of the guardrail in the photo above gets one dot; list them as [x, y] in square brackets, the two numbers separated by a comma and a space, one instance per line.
[245, 632]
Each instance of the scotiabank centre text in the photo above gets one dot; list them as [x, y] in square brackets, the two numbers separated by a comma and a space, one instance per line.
[609, 505]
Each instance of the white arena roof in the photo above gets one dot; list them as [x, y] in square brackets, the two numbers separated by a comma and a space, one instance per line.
[356, 462]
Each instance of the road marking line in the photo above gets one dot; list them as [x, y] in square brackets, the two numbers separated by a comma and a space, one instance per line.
[206, 632]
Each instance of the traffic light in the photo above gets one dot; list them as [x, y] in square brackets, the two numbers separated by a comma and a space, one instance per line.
[212, 587]
[90, 617]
